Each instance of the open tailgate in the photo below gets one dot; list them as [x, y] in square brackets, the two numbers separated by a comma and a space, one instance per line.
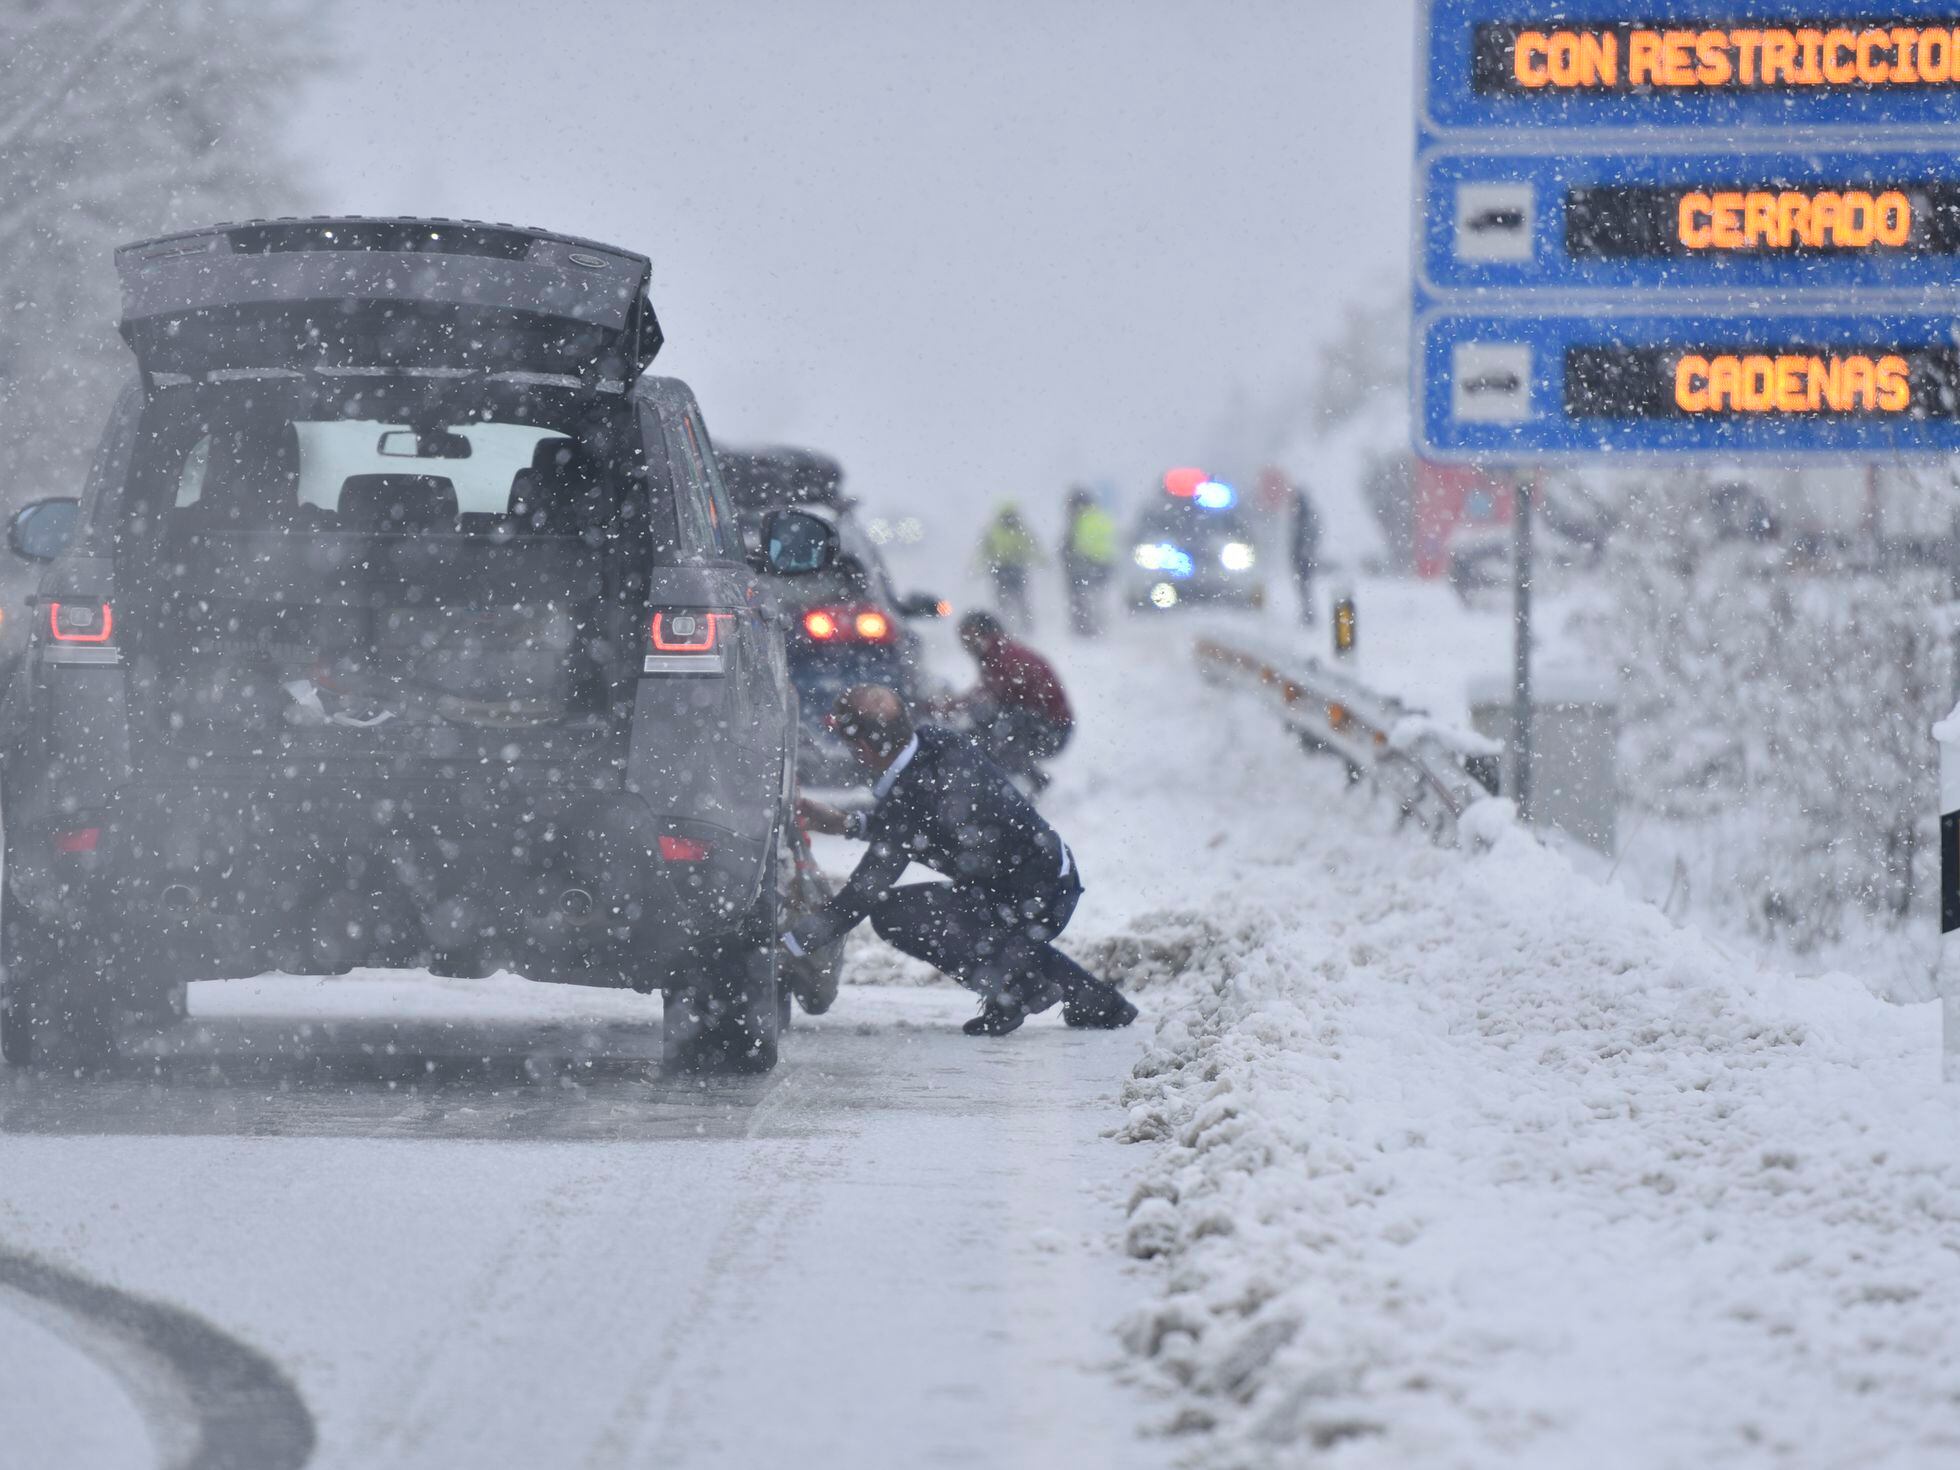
[386, 293]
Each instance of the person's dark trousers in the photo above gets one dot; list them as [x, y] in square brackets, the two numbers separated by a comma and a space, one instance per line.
[1011, 591]
[1308, 613]
[1085, 584]
[1018, 740]
[1000, 950]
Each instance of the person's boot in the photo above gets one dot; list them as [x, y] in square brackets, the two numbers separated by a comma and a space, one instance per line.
[1101, 1009]
[996, 1018]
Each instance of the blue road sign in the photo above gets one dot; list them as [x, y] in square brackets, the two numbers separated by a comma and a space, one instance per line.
[1691, 227]
[1574, 220]
[1512, 66]
[1575, 383]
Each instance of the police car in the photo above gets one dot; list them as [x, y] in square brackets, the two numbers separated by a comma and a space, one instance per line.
[1192, 545]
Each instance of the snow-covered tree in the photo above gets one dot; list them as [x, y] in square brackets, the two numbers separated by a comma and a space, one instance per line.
[1782, 708]
[1365, 359]
[118, 119]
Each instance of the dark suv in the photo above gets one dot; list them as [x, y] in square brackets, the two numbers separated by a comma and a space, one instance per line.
[402, 622]
[847, 625]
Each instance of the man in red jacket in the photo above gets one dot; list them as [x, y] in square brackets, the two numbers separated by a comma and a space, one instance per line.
[1018, 711]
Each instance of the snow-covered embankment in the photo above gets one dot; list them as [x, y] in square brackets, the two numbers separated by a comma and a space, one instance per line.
[1463, 1159]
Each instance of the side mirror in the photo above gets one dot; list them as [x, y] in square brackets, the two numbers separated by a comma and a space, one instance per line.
[42, 529]
[796, 543]
[924, 605]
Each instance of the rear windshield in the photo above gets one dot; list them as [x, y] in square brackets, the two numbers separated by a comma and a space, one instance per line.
[303, 458]
[257, 468]
[759, 481]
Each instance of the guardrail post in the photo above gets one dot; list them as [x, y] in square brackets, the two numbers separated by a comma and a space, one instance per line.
[1346, 624]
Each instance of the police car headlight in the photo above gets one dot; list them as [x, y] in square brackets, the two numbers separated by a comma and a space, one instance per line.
[1235, 556]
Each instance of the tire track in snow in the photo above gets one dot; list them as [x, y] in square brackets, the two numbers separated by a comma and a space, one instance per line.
[775, 1190]
[210, 1401]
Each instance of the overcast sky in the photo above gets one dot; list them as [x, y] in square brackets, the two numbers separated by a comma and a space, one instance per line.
[976, 250]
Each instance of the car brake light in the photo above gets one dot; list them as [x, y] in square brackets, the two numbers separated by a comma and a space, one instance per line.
[683, 850]
[686, 632]
[80, 622]
[848, 625]
[83, 840]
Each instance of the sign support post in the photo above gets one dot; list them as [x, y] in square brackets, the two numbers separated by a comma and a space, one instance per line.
[1521, 572]
[1947, 968]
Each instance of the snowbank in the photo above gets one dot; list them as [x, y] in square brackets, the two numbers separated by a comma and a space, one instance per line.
[1411, 730]
[1469, 1161]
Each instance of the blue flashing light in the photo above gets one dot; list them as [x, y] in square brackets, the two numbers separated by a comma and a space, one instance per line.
[1216, 495]
[1173, 561]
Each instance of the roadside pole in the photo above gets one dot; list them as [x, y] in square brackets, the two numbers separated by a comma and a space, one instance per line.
[1947, 733]
[1347, 629]
[1521, 647]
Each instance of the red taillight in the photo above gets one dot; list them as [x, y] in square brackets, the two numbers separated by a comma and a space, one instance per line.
[683, 850]
[80, 622]
[686, 632]
[83, 840]
[848, 625]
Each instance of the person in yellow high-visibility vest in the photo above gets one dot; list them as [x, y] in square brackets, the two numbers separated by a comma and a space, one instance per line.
[1008, 551]
[1088, 560]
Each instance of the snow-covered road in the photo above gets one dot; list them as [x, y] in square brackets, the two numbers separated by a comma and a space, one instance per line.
[467, 1250]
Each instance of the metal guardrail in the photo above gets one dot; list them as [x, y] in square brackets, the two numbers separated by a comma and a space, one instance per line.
[1433, 772]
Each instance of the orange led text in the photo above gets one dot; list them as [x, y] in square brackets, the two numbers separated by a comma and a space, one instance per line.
[1792, 384]
[1570, 58]
[1791, 219]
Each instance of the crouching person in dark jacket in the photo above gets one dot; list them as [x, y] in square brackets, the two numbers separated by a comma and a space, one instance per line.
[1014, 883]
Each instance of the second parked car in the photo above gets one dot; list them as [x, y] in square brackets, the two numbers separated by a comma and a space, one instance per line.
[848, 624]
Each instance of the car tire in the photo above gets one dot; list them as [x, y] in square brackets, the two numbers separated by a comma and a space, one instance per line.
[722, 1006]
[60, 1010]
[16, 1034]
[722, 1012]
